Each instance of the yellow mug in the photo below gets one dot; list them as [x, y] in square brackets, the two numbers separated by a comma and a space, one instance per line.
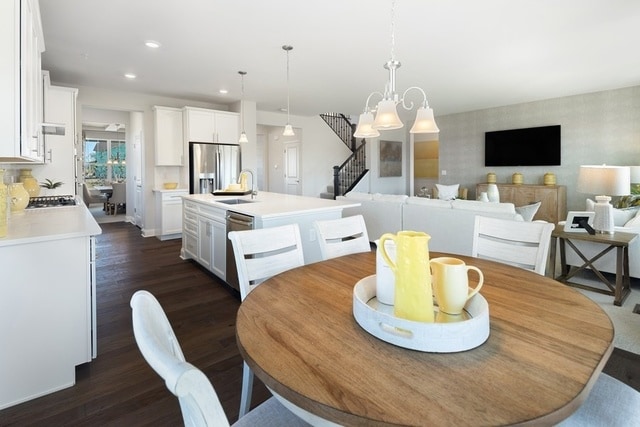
[451, 283]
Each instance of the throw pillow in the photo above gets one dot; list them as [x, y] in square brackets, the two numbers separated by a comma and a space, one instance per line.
[590, 205]
[627, 201]
[528, 211]
[447, 192]
[634, 222]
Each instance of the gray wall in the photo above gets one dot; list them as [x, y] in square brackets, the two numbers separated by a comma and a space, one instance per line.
[597, 128]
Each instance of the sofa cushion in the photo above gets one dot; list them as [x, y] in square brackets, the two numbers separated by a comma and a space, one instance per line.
[355, 195]
[634, 221]
[447, 192]
[528, 211]
[478, 206]
[398, 198]
[429, 202]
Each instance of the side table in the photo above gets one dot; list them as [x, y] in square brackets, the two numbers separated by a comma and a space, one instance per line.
[618, 240]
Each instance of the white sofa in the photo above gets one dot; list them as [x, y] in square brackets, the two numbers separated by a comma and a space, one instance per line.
[449, 223]
[625, 220]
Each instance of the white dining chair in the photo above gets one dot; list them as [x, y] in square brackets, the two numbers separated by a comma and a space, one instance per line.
[342, 236]
[199, 402]
[260, 254]
[518, 243]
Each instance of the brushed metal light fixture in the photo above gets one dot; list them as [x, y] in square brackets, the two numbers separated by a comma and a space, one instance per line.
[386, 114]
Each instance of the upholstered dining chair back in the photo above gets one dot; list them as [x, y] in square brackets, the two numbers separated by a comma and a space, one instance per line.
[89, 198]
[198, 399]
[119, 196]
[519, 243]
[342, 236]
[260, 254]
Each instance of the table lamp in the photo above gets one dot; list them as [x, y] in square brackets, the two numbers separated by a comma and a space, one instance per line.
[605, 181]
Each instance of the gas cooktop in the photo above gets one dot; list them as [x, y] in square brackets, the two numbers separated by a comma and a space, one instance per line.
[51, 201]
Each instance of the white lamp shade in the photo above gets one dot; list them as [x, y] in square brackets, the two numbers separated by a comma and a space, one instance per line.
[604, 180]
[243, 138]
[387, 116]
[365, 129]
[288, 131]
[425, 123]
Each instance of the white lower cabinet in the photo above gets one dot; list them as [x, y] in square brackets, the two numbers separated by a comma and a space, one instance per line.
[204, 236]
[169, 213]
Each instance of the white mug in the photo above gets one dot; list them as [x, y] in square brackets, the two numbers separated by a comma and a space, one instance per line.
[451, 283]
[385, 278]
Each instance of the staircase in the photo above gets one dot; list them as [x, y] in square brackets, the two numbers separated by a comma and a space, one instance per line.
[349, 173]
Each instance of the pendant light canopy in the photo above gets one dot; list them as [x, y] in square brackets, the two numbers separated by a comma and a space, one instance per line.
[243, 134]
[288, 129]
[386, 113]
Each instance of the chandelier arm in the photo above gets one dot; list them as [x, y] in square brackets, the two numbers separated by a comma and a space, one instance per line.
[425, 104]
[366, 105]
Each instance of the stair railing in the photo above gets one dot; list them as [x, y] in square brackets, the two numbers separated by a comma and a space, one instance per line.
[349, 173]
[342, 127]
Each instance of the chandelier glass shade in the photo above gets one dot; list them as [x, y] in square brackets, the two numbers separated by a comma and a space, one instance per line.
[386, 112]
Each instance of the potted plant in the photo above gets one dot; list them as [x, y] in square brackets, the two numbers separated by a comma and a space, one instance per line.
[50, 184]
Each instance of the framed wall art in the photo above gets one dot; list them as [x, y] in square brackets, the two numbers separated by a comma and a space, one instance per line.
[390, 158]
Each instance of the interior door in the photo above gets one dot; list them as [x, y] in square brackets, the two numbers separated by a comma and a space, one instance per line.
[292, 175]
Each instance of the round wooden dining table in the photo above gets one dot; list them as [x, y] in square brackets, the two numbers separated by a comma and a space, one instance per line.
[547, 345]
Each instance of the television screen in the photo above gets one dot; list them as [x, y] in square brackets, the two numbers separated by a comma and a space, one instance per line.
[539, 146]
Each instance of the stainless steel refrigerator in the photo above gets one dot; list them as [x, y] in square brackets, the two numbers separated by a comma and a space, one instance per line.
[212, 167]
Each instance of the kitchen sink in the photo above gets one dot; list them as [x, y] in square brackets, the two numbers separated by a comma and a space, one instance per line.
[234, 201]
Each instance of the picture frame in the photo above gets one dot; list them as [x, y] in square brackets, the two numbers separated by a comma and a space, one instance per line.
[390, 158]
[575, 221]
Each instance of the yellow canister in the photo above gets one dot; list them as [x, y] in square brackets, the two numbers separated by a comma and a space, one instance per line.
[549, 178]
[517, 178]
[491, 178]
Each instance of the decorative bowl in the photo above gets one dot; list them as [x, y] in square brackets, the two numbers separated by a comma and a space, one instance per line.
[170, 185]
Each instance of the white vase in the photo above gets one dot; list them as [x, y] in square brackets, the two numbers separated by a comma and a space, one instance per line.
[484, 197]
[493, 194]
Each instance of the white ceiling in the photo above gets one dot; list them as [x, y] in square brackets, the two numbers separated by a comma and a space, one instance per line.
[466, 54]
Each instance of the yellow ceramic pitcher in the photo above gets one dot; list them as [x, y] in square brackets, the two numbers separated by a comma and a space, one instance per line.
[413, 296]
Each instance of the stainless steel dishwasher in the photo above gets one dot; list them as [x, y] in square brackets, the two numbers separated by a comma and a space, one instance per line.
[235, 222]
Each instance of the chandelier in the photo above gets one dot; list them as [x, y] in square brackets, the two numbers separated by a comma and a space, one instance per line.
[386, 113]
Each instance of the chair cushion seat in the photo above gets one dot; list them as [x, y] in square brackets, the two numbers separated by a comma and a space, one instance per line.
[270, 413]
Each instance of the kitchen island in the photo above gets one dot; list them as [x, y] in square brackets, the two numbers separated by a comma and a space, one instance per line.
[205, 224]
[47, 300]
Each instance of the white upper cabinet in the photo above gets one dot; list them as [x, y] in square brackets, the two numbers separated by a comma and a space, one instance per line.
[203, 125]
[168, 136]
[21, 105]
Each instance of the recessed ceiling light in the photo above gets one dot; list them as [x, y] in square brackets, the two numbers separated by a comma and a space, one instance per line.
[152, 44]
[223, 91]
[130, 76]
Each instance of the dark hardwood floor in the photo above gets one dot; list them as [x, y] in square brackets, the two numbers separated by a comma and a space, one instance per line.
[118, 388]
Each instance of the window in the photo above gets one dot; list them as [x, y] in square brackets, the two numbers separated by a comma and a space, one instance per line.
[104, 161]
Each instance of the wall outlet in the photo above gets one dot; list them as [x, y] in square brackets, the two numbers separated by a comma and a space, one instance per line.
[444, 172]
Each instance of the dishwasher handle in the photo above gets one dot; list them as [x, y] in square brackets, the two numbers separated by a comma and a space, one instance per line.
[239, 221]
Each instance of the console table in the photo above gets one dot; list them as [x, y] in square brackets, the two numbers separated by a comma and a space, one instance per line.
[618, 240]
[553, 198]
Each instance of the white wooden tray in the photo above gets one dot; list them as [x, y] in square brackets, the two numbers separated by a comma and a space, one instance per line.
[448, 334]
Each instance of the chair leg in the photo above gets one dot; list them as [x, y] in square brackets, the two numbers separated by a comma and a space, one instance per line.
[247, 390]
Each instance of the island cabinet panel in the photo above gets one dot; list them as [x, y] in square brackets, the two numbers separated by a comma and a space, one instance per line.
[204, 235]
[553, 198]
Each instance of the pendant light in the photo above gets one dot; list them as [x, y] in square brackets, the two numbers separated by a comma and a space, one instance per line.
[386, 117]
[288, 129]
[243, 134]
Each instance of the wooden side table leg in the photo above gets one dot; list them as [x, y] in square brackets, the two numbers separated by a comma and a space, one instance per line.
[623, 280]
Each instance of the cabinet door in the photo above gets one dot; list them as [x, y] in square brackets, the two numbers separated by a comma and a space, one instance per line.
[227, 125]
[168, 136]
[219, 253]
[205, 248]
[60, 107]
[172, 216]
[200, 125]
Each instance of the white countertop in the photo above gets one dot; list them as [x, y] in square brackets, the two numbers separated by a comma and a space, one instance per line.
[174, 190]
[41, 224]
[267, 204]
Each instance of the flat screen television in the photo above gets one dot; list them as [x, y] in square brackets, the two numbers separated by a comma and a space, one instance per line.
[539, 146]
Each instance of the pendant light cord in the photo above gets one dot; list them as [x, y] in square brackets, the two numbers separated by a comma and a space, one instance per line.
[393, 31]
